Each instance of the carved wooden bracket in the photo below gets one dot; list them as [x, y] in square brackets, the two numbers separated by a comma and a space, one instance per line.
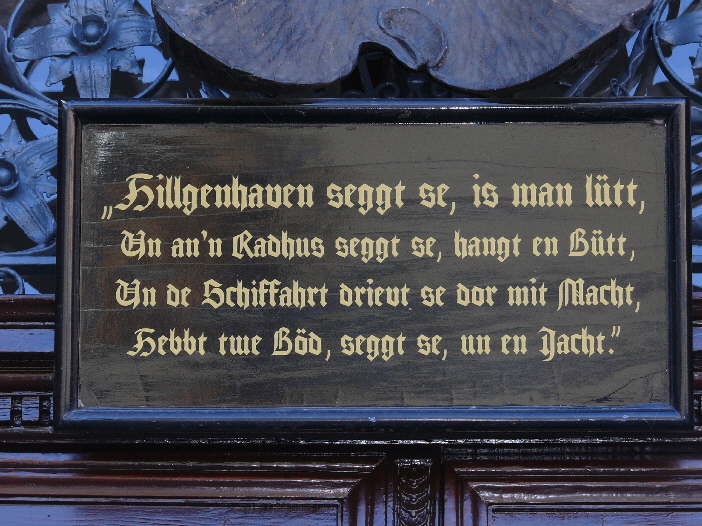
[414, 505]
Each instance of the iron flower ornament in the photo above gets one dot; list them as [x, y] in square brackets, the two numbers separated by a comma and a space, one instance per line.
[88, 39]
[26, 184]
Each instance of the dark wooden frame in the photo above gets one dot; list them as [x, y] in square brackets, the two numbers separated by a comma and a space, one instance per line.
[333, 424]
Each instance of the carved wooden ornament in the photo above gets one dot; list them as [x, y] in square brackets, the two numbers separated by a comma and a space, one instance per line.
[476, 45]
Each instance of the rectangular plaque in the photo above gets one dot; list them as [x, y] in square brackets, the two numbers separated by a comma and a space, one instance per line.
[392, 269]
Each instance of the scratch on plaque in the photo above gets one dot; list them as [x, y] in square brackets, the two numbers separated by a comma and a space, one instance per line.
[606, 397]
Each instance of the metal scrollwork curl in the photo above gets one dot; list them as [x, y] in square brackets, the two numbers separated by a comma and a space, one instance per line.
[14, 276]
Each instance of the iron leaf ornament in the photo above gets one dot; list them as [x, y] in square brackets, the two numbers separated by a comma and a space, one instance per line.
[686, 29]
[477, 45]
[88, 39]
[26, 183]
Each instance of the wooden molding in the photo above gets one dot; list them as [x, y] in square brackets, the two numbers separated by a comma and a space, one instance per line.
[28, 311]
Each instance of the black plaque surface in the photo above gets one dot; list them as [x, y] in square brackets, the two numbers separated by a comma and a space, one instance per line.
[346, 268]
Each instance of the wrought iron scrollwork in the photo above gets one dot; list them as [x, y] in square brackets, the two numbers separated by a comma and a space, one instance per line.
[83, 48]
[5, 273]
[28, 186]
[86, 40]
[683, 26]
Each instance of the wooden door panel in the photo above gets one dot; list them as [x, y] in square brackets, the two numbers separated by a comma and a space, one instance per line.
[627, 516]
[195, 514]
[123, 490]
[573, 493]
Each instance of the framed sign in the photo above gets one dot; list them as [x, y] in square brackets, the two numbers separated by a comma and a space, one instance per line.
[384, 269]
